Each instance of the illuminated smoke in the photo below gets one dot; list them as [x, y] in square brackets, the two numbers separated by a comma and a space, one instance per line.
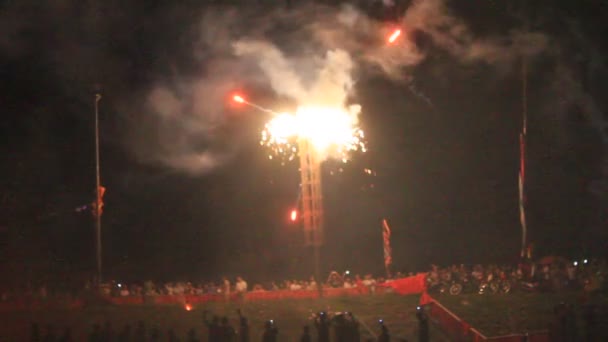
[183, 111]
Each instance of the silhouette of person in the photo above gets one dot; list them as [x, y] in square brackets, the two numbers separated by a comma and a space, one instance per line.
[34, 333]
[155, 335]
[107, 334]
[50, 334]
[140, 332]
[270, 332]
[384, 334]
[67, 335]
[243, 327]
[95, 335]
[171, 336]
[352, 330]
[305, 335]
[227, 331]
[192, 336]
[125, 334]
[213, 327]
[423, 325]
[322, 325]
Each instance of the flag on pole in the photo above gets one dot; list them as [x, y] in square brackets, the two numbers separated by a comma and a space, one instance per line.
[522, 215]
[98, 205]
[386, 237]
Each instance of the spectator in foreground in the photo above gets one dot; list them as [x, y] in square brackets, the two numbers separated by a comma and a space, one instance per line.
[322, 325]
[306, 335]
[67, 335]
[384, 335]
[423, 325]
[34, 333]
[227, 331]
[270, 332]
[243, 327]
[213, 327]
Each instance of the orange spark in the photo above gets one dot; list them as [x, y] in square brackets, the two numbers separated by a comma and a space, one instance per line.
[294, 215]
[394, 36]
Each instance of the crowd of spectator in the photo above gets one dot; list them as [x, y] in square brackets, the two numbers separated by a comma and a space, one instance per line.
[240, 285]
[550, 274]
[224, 287]
[547, 274]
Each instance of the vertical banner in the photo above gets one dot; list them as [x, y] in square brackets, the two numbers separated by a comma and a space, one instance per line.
[98, 205]
[386, 238]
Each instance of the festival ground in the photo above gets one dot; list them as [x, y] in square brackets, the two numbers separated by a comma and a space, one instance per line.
[290, 316]
[497, 315]
[492, 315]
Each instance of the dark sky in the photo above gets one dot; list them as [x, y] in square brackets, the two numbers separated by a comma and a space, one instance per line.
[444, 146]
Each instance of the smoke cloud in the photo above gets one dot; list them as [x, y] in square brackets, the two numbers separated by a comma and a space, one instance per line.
[310, 54]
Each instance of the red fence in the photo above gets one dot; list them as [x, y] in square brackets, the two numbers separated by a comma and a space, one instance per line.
[249, 296]
[38, 304]
[452, 325]
[459, 330]
[410, 285]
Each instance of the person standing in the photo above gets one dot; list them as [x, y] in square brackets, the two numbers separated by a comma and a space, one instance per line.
[226, 289]
[241, 288]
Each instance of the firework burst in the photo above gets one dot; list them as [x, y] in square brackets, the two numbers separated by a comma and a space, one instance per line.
[333, 132]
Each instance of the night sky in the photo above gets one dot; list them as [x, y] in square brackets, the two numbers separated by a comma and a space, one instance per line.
[442, 138]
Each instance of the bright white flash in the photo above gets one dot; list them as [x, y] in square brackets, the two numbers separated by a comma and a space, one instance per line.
[332, 131]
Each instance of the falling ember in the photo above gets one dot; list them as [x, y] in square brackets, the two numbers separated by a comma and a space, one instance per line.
[188, 307]
[294, 215]
[333, 132]
[238, 99]
[394, 36]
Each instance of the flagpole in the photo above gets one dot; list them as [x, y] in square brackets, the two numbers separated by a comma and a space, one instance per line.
[97, 192]
[522, 151]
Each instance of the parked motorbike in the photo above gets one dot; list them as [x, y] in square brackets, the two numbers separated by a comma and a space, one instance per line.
[494, 285]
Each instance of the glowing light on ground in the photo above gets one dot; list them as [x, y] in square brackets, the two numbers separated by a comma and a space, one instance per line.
[333, 132]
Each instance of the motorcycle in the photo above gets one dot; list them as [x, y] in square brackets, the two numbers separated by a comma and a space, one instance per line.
[495, 285]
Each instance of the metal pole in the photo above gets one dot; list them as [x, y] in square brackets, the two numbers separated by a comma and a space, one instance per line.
[312, 204]
[97, 188]
[317, 260]
[522, 143]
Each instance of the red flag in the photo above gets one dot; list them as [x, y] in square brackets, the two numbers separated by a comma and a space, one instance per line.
[425, 298]
[98, 205]
[386, 237]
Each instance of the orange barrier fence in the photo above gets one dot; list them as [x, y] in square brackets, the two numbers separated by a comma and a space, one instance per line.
[39, 304]
[410, 285]
[452, 325]
[459, 330]
[249, 296]
[401, 286]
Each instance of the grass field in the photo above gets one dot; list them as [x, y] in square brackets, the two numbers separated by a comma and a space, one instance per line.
[495, 315]
[290, 316]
